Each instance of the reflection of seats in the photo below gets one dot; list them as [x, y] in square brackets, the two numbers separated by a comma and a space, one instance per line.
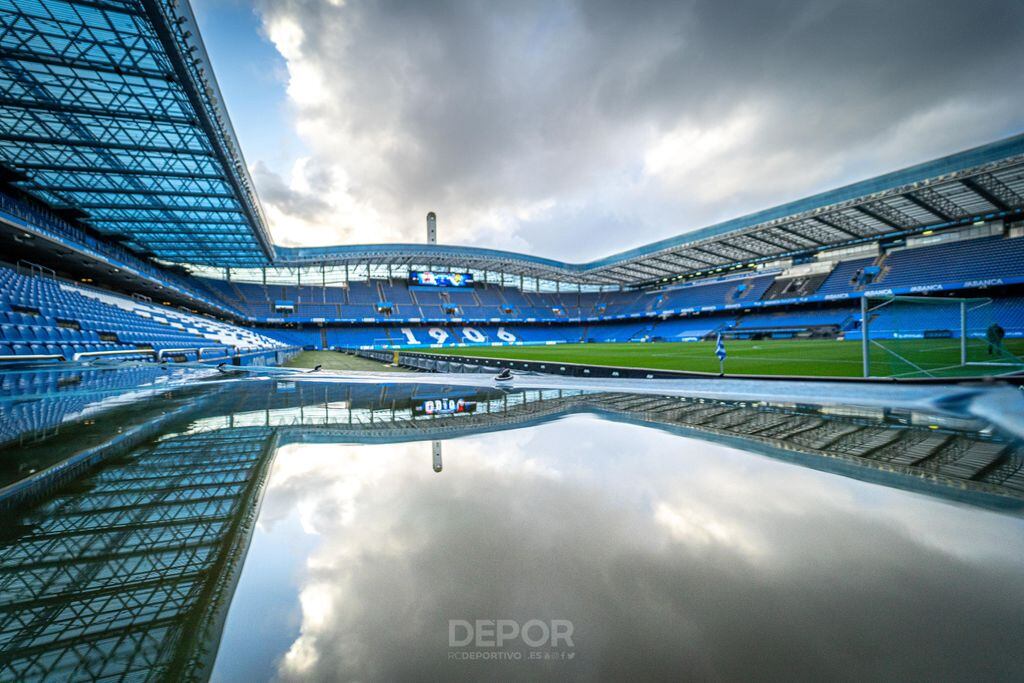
[60, 394]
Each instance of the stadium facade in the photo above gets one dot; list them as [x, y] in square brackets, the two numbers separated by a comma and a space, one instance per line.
[130, 225]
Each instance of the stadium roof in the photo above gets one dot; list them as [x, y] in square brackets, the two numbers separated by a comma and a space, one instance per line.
[110, 114]
[984, 182]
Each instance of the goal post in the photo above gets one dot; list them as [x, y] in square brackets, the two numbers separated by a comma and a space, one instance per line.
[932, 336]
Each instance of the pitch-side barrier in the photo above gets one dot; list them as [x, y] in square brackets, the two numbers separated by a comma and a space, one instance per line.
[429, 362]
[229, 354]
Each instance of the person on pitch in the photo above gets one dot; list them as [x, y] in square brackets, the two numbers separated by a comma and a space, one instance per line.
[994, 335]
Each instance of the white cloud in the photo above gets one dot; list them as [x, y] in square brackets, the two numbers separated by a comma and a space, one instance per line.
[576, 128]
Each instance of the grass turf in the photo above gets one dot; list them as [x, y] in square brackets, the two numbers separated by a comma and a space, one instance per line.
[810, 357]
[334, 360]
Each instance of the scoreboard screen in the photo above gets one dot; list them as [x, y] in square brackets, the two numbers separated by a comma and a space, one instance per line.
[444, 406]
[431, 279]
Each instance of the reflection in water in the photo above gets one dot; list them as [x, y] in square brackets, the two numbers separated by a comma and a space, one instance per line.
[435, 447]
[129, 572]
[667, 555]
[674, 549]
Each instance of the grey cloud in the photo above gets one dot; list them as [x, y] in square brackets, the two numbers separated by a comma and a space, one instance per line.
[274, 191]
[478, 109]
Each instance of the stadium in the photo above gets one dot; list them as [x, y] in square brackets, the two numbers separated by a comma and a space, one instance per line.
[157, 348]
[134, 227]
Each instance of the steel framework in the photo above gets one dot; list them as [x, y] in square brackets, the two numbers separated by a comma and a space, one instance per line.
[111, 109]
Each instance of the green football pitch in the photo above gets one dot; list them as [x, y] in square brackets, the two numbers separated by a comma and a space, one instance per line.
[812, 357]
[332, 360]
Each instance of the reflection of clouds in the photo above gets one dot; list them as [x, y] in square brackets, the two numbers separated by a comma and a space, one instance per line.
[696, 527]
[669, 555]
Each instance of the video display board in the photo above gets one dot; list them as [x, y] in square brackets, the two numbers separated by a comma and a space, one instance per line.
[429, 278]
[444, 406]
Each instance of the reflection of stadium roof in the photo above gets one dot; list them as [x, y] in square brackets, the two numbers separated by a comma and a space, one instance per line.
[949, 458]
[902, 449]
[111, 115]
[947, 450]
[158, 536]
[133, 574]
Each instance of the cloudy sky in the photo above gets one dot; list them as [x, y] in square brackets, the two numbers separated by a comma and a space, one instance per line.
[574, 128]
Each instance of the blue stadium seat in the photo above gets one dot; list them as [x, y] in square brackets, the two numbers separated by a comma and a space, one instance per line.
[130, 321]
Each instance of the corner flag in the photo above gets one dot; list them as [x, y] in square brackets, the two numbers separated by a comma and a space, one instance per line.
[720, 348]
[720, 352]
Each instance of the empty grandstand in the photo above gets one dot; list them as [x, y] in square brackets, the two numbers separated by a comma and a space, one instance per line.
[44, 318]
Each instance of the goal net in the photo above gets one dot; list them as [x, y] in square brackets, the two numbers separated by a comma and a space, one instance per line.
[924, 336]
